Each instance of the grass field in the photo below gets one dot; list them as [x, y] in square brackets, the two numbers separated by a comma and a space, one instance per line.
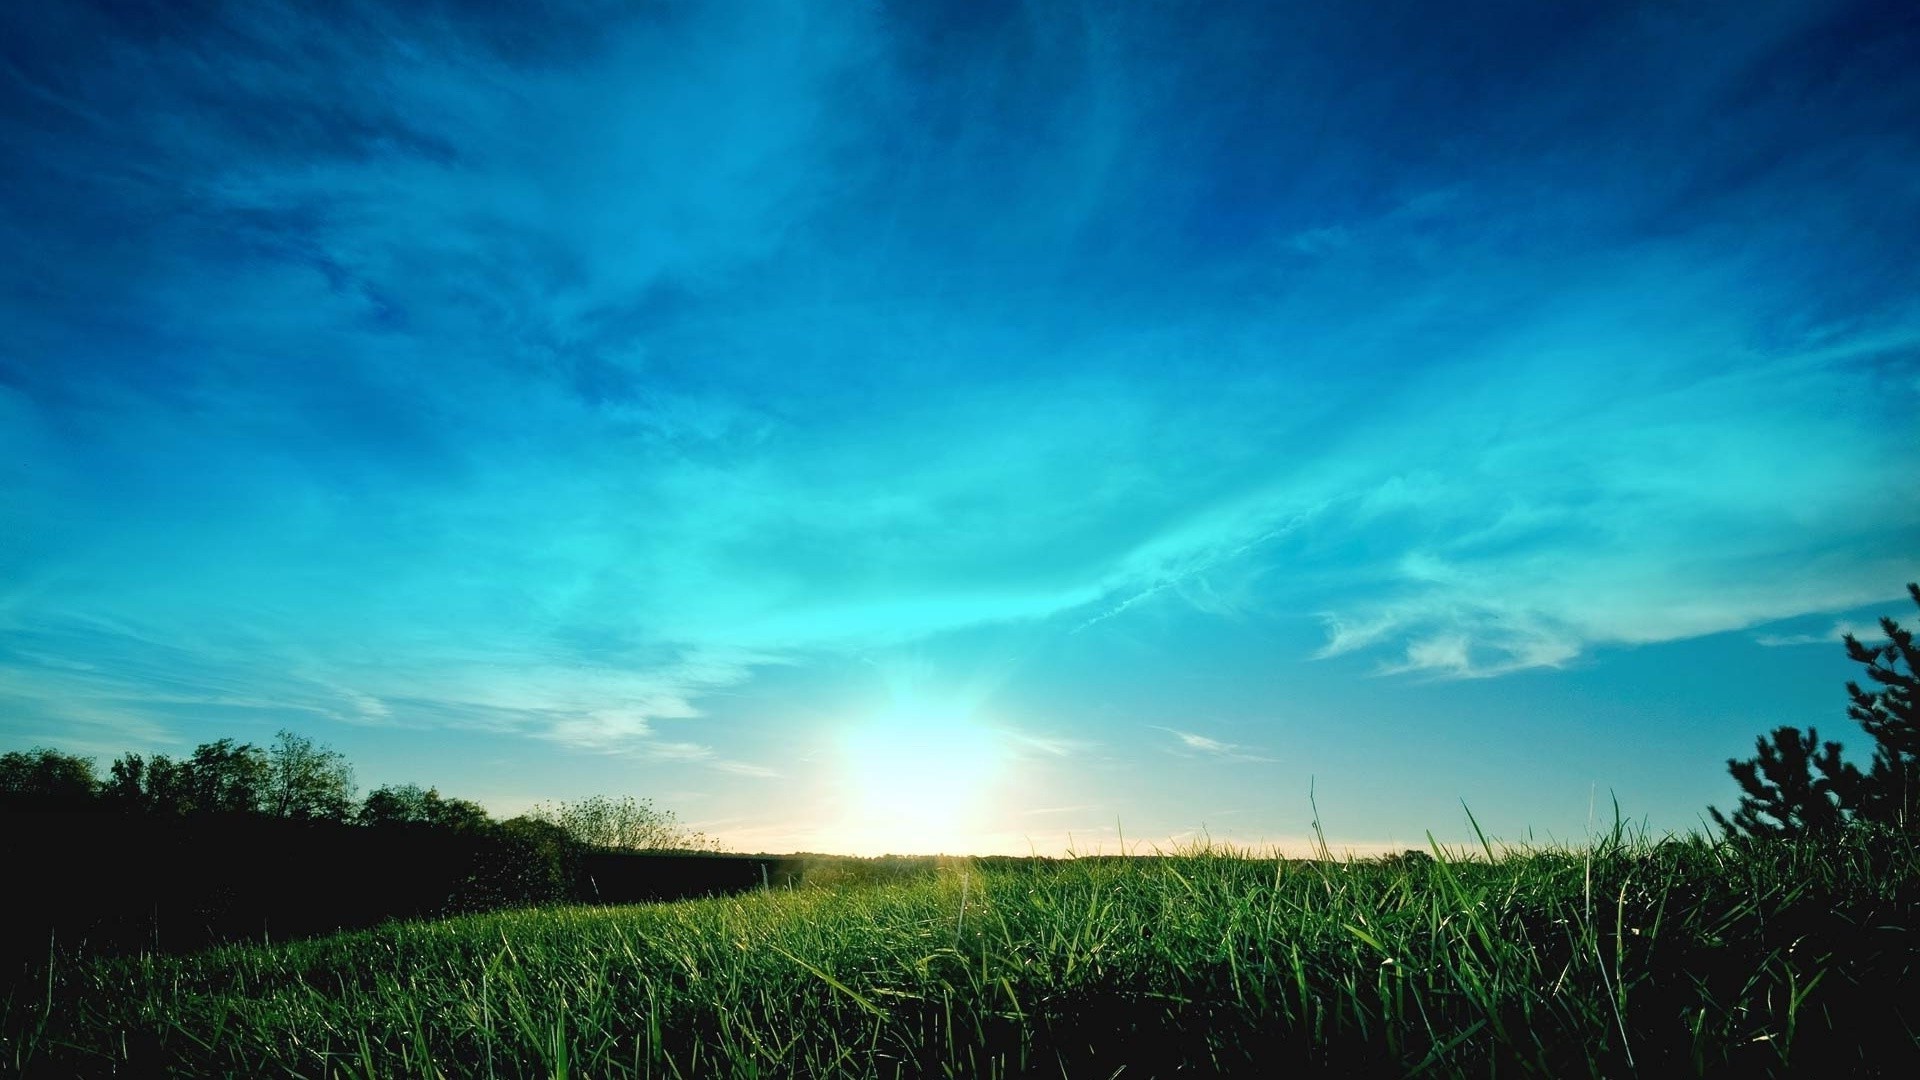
[1633, 957]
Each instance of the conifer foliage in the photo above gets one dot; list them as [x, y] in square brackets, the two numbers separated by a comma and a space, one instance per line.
[1795, 786]
[1891, 792]
[1798, 786]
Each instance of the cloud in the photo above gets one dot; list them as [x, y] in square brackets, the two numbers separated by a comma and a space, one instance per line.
[1200, 742]
[679, 751]
[1713, 499]
[1053, 746]
[1833, 636]
[1213, 747]
[136, 674]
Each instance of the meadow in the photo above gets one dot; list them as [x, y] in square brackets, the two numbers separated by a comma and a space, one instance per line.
[1632, 956]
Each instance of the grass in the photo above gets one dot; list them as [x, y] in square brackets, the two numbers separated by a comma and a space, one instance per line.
[1678, 957]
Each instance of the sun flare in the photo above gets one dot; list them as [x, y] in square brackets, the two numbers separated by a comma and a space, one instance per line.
[918, 782]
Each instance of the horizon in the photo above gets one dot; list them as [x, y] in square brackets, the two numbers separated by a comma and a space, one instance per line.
[964, 428]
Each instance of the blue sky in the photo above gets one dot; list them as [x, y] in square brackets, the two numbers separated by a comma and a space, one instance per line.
[1110, 420]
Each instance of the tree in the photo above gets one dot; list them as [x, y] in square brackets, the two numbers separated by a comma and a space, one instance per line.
[156, 785]
[1790, 789]
[225, 777]
[293, 779]
[46, 779]
[307, 782]
[1890, 795]
[627, 823]
[126, 786]
[406, 805]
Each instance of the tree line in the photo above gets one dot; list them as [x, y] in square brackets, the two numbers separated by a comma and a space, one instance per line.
[1797, 785]
[293, 779]
[234, 841]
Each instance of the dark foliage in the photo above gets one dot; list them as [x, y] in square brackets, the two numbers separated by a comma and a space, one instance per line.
[1789, 789]
[307, 782]
[234, 842]
[44, 778]
[1891, 793]
[106, 883]
[626, 824]
[1798, 786]
[409, 806]
[221, 777]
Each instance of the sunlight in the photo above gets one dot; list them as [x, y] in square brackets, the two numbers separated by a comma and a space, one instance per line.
[918, 781]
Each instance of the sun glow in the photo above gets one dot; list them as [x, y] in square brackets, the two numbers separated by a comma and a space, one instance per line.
[918, 782]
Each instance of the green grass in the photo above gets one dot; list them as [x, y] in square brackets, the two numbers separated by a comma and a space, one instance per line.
[1634, 957]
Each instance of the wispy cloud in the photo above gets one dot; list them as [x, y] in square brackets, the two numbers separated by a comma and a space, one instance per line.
[1052, 746]
[1832, 637]
[1214, 747]
[1580, 529]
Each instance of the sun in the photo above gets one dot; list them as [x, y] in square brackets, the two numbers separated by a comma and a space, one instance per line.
[919, 782]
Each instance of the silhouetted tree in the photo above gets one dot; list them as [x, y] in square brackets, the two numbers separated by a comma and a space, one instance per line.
[222, 777]
[156, 785]
[46, 779]
[307, 782]
[229, 777]
[126, 786]
[627, 823]
[409, 805]
[1789, 789]
[1891, 793]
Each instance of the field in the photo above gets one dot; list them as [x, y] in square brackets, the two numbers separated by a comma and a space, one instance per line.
[1678, 957]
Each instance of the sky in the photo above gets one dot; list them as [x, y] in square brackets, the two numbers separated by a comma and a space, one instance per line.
[981, 426]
